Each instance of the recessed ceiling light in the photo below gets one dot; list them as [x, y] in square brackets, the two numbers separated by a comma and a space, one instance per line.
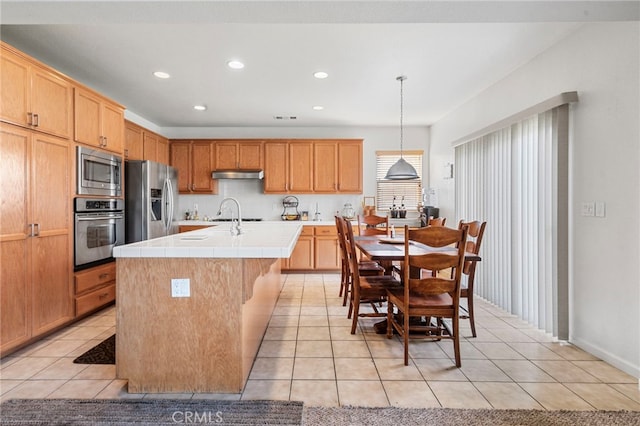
[318, 108]
[320, 74]
[236, 65]
[161, 74]
[200, 107]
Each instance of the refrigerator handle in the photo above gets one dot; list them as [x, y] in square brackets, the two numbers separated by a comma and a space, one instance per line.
[171, 207]
[165, 202]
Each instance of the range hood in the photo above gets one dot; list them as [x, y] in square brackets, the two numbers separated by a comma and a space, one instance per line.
[237, 174]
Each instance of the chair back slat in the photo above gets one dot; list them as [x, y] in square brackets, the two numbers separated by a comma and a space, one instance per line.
[373, 225]
[431, 286]
[474, 240]
[436, 237]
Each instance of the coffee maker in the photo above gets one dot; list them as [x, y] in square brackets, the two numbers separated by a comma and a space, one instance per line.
[428, 212]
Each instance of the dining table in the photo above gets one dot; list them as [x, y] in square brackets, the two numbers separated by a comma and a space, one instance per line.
[387, 250]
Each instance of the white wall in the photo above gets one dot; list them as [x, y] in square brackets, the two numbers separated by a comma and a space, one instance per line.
[250, 193]
[600, 62]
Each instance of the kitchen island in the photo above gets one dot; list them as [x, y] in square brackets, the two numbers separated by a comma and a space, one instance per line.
[192, 308]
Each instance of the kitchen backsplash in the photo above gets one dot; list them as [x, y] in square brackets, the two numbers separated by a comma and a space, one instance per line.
[255, 204]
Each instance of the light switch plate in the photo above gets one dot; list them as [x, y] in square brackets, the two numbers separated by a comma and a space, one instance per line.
[180, 287]
[588, 209]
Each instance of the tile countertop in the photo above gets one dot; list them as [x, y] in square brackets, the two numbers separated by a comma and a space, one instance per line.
[269, 239]
[247, 223]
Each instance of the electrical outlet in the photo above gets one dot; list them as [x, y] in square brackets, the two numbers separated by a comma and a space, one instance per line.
[588, 209]
[180, 287]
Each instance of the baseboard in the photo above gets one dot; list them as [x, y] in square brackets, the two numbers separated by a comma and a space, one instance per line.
[610, 358]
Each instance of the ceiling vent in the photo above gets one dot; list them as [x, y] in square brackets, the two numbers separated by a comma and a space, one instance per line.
[285, 117]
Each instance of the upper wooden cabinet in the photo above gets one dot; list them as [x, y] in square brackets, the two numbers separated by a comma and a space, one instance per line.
[142, 144]
[350, 166]
[133, 141]
[288, 167]
[98, 122]
[33, 96]
[194, 161]
[240, 155]
[308, 166]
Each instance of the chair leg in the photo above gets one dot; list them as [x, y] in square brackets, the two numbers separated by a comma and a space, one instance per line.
[472, 321]
[389, 319]
[347, 289]
[405, 334]
[351, 302]
[356, 311]
[456, 339]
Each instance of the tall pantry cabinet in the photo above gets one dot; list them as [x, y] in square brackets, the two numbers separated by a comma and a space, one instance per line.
[35, 234]
[36, 221]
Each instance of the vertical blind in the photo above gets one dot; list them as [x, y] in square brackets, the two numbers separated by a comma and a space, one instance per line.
[411, 190]
[510, 179]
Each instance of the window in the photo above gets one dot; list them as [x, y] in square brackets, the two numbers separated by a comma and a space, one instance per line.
[411, 190]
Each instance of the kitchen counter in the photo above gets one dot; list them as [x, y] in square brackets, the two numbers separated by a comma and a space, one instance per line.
[298, 222]
[265, 239]
[202, 337]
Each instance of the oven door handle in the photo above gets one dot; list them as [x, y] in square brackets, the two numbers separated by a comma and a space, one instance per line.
[94, 218]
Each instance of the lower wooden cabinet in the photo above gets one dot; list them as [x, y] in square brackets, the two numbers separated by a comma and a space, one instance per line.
[95, 288]
[316, 249]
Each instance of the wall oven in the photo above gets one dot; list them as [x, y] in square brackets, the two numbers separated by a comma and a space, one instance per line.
[99, 227]
[99, 173]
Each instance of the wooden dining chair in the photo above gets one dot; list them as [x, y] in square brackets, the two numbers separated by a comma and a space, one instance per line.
[373, 225]
[364, 289]
[431, 297]
[436, 221]
[365, 268]
[474, 239]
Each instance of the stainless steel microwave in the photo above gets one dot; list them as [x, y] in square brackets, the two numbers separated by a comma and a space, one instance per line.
[99, 173]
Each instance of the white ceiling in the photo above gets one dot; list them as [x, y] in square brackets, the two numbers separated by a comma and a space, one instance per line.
[450, 51]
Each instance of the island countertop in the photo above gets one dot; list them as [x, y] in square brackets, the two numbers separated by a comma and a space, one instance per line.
[258, 240]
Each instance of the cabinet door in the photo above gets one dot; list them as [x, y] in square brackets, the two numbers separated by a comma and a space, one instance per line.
[302, 255]
[87, 118]
[51, 267]
[300, 167]
[149, 146]
[162, 150]
[14, 89]
[250, 155]
[325, 167]
[226, 155]
[350, 167]
[132, 142]
[51, 103]
[327, 254]
[276, 170]
[181, 160]
[201, 168]
[113, 127]
[15, 289]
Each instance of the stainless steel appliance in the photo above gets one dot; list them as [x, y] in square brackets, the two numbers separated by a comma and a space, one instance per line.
[98, 172]
[99, 227]
[151, 200]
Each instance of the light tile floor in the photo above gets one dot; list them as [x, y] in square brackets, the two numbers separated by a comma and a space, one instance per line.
[309, 354]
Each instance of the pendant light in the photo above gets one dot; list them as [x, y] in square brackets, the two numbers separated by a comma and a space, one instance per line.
[401, 170]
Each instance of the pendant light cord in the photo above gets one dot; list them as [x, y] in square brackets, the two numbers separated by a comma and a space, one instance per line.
[401, 79]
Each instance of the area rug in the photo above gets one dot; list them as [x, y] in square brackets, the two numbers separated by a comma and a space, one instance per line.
[103, 353]
[348, 416]
[148, 412]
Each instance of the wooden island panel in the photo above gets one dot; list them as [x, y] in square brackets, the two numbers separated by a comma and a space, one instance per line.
[203, 343]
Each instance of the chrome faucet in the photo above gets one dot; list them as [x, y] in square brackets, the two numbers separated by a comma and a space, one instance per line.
[238, 226]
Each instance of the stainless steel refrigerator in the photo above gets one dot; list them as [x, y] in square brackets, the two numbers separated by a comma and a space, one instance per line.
[151, 200]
